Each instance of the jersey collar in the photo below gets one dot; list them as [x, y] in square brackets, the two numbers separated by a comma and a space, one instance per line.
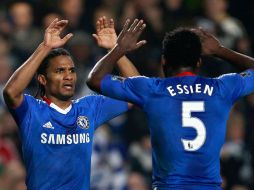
[185, 73]
[52, 105]
[48, 101]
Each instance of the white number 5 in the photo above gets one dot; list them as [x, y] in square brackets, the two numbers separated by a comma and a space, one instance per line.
[194, 122]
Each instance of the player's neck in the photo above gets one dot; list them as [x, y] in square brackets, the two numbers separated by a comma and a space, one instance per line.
[184, 71]
[63, 104]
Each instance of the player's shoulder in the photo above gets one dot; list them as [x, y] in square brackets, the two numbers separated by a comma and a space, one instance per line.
[138, 78]
[145, 79]
[235, 78]
[141, 83]
[227, 81]
[89, 99]
[247, 73]
[227, 76]
[30, 97]
[233, 81]
[32, 100]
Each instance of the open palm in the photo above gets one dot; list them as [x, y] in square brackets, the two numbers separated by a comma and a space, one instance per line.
[105, 33]
[210, 44]
[128, 38]
[52, 37]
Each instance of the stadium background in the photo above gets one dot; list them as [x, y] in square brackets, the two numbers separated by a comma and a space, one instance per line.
[121, 157]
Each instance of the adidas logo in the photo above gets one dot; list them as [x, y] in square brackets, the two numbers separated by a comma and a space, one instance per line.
[48, 125]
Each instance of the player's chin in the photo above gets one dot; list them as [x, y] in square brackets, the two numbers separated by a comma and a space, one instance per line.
[67, 95]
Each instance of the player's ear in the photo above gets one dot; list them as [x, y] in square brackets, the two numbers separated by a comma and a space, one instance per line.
[163, 61]
[199, 63]
[166, 68]
[42, 79]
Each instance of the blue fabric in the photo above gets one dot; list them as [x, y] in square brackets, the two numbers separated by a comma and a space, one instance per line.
[187, 119]
[57, 147]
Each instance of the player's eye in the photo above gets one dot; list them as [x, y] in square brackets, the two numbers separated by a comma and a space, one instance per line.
[59, 70]
[73, 70]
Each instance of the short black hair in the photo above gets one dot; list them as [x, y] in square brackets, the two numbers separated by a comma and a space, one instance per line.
[45, 64]
[181, 48]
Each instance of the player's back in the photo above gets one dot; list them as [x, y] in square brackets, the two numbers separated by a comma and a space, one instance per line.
[187, 119]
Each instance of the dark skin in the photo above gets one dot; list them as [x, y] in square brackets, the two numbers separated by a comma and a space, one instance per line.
[169, 71]
[212, 47]
[106, 38]
[128, 41]
[60, 78]
[14, 88]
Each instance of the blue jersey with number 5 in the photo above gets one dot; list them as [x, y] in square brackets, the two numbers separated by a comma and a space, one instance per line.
[187, 120]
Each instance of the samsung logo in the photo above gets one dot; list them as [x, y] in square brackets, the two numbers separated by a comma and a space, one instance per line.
[65, 139]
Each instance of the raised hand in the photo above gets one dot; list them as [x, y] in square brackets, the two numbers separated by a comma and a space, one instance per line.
[105, 33]
[128, 38]
[52, 37]
[210, 44]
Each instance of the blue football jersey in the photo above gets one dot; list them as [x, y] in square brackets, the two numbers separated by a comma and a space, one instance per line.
[187, 119]
[57, 146]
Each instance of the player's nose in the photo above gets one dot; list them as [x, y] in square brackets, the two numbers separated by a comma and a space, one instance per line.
[69, 76]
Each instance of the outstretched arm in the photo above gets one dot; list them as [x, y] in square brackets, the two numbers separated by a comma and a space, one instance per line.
[212, 46]
[14, 88]
[106, 38]
[127, 41]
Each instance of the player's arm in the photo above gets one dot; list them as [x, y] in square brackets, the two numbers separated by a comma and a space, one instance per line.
[127, 41]
[106, 38]
[212, 46]
[14, 88]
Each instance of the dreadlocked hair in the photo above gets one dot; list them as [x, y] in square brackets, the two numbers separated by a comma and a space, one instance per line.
[44, 65]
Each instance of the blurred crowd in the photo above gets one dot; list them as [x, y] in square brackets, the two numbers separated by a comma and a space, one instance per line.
[122, 152]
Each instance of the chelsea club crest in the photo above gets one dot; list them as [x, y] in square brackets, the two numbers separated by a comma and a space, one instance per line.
[83, 122]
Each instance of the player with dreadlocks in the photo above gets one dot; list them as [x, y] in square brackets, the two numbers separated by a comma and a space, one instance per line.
[57, 132]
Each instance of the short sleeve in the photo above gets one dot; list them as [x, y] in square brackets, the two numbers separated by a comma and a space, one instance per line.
[238, 85]
[132, 89]
[107, 109]
[22, 113]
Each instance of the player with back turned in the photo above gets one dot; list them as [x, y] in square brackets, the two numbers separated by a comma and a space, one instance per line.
[187, 113]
